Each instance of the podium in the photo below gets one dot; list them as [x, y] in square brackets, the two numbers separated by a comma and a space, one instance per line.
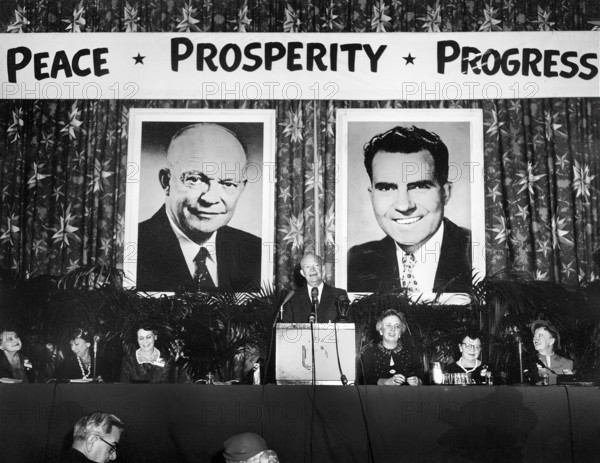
[293, 353]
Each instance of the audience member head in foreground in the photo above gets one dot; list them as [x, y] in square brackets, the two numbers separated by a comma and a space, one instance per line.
[96, 438]
[248, 447]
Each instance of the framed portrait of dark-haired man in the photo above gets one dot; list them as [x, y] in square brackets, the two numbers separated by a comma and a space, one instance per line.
[410, 201]
[199, 200]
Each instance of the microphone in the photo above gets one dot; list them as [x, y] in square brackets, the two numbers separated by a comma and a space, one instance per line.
[285, 301]
[342, 305]
[94, 353]
[314, 294]
[515, 332]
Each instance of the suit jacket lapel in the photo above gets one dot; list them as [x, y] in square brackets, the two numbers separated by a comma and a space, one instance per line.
[327, 297]
[389, 260]
[169, 252]
[452, 256]
[224, 270]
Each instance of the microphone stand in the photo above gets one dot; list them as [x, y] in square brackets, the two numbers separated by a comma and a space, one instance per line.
[312, 318]
[278, 317]
[520, 349]
[520, 358]
[96, 338]
[312, 342]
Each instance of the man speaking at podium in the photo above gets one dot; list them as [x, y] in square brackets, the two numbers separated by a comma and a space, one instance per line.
[317, 297]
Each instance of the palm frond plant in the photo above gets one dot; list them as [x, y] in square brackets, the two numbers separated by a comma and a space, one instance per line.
[514, 301]
[217, 331]
[268, 303]
[9, 297]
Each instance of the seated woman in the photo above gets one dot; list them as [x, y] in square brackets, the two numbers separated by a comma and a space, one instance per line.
[148, 364]
[389, 363]
[79, 366]
[13, 363]
[546, 362]
[469, 362]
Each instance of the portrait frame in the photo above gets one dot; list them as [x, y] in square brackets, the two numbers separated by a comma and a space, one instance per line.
[355, 219]
[150, 131]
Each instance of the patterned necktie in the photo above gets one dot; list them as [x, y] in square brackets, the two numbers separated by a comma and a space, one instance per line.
[407, 277]
[202, 277]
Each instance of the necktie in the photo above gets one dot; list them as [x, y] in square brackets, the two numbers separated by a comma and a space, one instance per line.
[202, 277]
[407, 277]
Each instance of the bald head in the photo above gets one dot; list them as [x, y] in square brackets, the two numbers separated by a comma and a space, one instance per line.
[207, 143]
[204, 179]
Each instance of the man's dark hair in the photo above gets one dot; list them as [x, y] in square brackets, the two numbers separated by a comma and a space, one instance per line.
[409, 140]
[471, 333]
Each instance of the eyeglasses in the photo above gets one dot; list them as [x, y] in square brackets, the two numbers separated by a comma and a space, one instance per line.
[471, 346]
[113, 446]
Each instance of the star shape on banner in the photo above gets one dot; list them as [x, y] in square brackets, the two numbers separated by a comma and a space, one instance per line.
[409, 59]
[139, 59]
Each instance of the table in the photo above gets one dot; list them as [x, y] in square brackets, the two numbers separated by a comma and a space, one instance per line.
[179, 422]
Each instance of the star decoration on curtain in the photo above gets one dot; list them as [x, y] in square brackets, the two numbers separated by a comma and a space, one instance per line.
[243, 21]
[380, 21]
[292, 20]
[131, 18]
[188, 22]
[77, 22]
[20, 21]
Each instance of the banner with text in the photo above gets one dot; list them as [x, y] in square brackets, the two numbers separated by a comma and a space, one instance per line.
[265, 66]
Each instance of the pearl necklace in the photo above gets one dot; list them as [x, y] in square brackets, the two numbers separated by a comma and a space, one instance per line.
[152, 358]
[82, 368]
[459, 363]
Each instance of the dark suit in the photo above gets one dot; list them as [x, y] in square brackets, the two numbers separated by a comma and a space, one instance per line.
[373, 266]
[6, 370]
[299, 306]
[162, 267]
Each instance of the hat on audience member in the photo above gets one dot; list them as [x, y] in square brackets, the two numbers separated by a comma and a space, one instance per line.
[242, 447]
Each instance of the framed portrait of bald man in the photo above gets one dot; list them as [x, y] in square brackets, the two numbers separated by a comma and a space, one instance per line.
[199, 200]
[410, 201]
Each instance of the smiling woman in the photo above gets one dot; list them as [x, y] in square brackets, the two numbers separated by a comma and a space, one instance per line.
[14, 364]
[470, 348]
[147, 364]
[389, 362]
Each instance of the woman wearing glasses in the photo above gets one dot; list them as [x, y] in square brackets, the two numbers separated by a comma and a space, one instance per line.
[469, 362]
[390, 362]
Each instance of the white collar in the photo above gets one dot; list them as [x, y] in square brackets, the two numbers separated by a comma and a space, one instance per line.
[427, 260]
[190, 250]
[157, 361]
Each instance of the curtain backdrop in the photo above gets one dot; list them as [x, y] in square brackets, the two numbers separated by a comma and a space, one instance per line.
[63, 164]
